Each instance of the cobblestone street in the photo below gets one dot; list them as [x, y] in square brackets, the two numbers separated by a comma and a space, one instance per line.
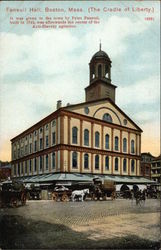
[103, 224]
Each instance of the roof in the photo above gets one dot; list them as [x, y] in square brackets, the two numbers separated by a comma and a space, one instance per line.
[158, 158]
[66, 108]
[100, 100]
[147, 154]
[77, 177]
[100, 54]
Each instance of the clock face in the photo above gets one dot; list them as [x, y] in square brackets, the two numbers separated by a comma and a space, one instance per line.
[86, 110]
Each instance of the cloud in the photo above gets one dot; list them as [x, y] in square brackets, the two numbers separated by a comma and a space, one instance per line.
[40, 68]
[145, 91]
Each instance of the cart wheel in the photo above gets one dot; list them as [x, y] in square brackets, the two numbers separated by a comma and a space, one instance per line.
[64, 198]
[94, 197]
[14, 202]
[23, 199]
[104, 197]
[113, 195]
[54, 197]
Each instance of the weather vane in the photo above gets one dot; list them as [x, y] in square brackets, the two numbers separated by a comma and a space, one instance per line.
[100, 44]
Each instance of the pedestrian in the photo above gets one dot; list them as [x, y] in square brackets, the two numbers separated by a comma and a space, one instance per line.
[132, 196]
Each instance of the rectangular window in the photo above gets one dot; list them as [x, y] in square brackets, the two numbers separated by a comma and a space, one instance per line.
[47, 141]
[41, 143]
[14, 154]
[18, 153]
[35, 146]
[25, 149]
[30, 148]
[53, 138]
[21, 152]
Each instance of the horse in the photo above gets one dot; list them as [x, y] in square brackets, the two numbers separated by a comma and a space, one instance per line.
[140, 198]
[79, 193]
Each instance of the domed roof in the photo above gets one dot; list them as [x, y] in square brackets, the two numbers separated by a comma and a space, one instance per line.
[100, 54]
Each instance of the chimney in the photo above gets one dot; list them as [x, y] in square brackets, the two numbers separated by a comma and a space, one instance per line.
[58, 104]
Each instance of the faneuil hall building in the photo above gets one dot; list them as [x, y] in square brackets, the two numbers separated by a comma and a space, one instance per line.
[81, 141]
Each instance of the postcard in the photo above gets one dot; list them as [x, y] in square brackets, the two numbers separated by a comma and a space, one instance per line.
[80, 161]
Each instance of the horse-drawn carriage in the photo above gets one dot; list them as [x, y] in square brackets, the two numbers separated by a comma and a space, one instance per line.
[12, 194]
[103, 189]
[97, 190]
[61, 194]
[34, 192]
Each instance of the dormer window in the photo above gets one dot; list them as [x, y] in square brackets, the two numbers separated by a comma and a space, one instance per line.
[107, 118]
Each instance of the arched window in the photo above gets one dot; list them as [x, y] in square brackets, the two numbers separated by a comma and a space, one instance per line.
[18, 169]
[106, 71]
[107, 118]
[21, 167]
[14, 169]
[116, 164]
[107, 141]
[74, 135]
[92, 72]
[35, 165]
[96, 161]
[97, 139]
[40, 163]
[86, 137]
[30, 166]
[86, 164]
[99, 70]
[47, 162]
[132, 166]
[132, 147]
[53, 160]
[74, 159]
[124, 145]
[116, 143]
[107, 163]
[124, 165]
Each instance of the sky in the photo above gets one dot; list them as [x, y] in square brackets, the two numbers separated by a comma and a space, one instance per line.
[41, 66]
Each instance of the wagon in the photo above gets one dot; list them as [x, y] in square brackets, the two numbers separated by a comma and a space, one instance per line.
[61, 194]
[12, 194]
[103, 189]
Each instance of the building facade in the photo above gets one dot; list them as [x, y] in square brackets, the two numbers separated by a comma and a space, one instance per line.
[146, 159]
[95, 136]
[156, 169]
[5, 170]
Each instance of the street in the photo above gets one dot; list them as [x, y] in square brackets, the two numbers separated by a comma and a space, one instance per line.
[119, 224]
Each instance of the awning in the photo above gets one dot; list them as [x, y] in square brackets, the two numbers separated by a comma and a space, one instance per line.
[78, 177]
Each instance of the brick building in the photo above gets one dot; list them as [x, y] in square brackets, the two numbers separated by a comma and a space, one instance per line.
[156, 169]
[93, 137]
[146, 159]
